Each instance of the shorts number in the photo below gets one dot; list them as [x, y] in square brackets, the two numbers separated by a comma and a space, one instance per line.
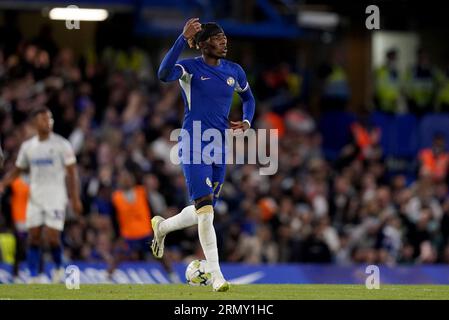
[59, 214]
[219, 189]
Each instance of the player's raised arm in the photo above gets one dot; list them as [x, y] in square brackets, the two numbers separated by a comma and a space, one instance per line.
[168, 70]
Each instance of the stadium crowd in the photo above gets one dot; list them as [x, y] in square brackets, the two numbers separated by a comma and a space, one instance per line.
[119, 117]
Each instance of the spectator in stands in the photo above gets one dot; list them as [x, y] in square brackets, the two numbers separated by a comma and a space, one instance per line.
[421, 85]
[133, 215]
[442, 98]
[336, 91]
[7, 246]
[364, 145]
[366, 140]
[256, 248]
[19, 189]
[315, 248]
[434, 161]
[388, 84]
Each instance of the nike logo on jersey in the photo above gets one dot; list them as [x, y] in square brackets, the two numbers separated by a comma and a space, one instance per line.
[204, 78]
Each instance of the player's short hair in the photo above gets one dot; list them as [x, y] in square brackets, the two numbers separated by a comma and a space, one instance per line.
[35, 112]
[208, 30]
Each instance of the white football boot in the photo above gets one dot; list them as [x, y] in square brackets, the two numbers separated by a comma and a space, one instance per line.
[219, 284]
[157, 245]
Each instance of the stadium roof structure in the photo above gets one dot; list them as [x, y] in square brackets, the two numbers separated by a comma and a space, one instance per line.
[281, 19]
[161, 18]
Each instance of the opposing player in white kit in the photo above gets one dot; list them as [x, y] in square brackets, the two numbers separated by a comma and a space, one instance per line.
[49, 158]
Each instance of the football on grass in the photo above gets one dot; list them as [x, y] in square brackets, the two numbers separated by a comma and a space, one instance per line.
[196, 274]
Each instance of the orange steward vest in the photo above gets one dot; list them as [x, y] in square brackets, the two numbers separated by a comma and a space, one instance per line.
[435, 165]
[133, 217]
[19, 199]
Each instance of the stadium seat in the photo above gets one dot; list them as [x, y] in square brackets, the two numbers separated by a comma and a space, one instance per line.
[399, 134]
[405, 130]
[335, 129]
[385, 123]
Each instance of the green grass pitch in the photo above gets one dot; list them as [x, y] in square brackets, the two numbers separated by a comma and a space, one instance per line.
[237, 292]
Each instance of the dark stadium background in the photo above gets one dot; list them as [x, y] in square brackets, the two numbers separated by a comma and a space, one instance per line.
[338, 201]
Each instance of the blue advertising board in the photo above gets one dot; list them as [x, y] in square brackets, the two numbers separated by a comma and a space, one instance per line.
[141, 272]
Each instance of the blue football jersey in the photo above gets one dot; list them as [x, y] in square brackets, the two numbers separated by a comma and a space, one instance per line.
[207, 92]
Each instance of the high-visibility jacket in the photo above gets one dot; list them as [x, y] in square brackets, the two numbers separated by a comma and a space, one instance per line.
[336, 84]
[133, 216]
[443, 89]
[19, 200]
[130, 61]
[421, 86]
[387, 89]
[435, 165]
[7, 248]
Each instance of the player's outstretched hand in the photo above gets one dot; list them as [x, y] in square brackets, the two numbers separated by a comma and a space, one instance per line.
[191, 28]
[238, 127]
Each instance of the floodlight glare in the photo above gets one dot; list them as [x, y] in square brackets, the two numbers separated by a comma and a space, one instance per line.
[78, 14]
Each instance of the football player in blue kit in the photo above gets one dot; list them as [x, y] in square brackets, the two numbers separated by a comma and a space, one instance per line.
[208, 83]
